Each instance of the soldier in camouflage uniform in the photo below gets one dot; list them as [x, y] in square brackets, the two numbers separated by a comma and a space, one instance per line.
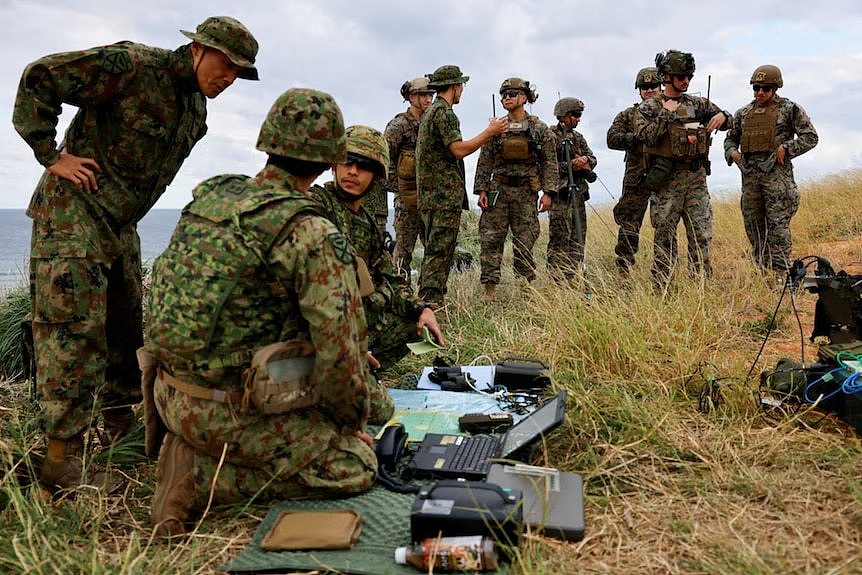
[676, 130]
[631, 207]
[512, 169]
[253, 262]
[440, 153]
[766, 134]
[401, 134]
[140, 111]
[566, 243]
[394, 315]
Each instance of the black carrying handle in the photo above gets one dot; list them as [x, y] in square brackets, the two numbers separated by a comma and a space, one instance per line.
[428, 491]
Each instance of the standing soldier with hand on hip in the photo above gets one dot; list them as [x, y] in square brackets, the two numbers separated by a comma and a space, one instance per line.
[512, 169]
[766, 134]
[440, 153]
[567, 225]
[676, 130]
[631, 207]
[140, 112]
[401, 134]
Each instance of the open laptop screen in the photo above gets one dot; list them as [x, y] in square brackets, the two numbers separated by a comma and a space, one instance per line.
[539, 422]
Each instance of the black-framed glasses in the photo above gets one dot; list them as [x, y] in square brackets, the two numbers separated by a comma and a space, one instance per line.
[649, 86]
[762, 88]
[361, 162]
[510, 94]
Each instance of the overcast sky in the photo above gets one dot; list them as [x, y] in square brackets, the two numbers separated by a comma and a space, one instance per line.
[362, 51]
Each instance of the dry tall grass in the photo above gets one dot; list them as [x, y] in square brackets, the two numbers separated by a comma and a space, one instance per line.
[669, 489]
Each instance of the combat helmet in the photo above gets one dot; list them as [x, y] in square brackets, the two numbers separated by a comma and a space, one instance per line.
[647, 76]
[515, 83]
[230, 37]
[415, 86]
[675, 62]
[568, 107]
[368, 143]
[304, 124]
[767, 74]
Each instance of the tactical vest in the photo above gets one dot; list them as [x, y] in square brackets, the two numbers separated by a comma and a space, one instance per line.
[758, 129]
[686, 139]
[231, 302]
[517, 144]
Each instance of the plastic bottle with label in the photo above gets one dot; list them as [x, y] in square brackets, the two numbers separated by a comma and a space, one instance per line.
[450, 554]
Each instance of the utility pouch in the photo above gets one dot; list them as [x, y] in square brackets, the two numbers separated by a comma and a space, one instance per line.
[279, 379]
[688, 141]
[406, 171]
[296, 530]
[516, 147]
[154, 427]
[409, 198]
[658, 173]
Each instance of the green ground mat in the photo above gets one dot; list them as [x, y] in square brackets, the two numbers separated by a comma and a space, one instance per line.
[386, 525]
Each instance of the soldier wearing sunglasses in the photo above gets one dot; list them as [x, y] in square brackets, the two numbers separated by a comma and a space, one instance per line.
[676, 130]
[766, 134]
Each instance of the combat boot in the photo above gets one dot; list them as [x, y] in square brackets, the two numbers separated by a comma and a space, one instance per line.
[63, 466]
[117, 421]
[174, 497]
[490, 292]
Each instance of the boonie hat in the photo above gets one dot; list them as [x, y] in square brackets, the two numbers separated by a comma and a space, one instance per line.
[230, 37]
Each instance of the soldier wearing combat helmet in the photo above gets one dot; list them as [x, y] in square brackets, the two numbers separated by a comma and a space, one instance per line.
[567, 225]
[258, 333]
[440, 153]
[401, 134]
[676, 130]
[513, 168]
[394, 315]
[140, 110]
[766, 134]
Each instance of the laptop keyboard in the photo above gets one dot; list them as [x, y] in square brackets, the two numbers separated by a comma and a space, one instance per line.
[474, 454]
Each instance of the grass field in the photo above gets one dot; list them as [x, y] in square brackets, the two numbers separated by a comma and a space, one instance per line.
[670, 488]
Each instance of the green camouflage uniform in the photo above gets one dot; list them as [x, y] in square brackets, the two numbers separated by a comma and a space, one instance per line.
[401, 134]
[375, 204]
[565, 249]
[140, 112]
[770, 197]
[391, 310]
[252, 263]
[442, 196]
[517, 181]
[682, 194]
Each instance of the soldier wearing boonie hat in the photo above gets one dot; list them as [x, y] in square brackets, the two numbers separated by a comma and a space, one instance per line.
[140, 111]
[440, 153]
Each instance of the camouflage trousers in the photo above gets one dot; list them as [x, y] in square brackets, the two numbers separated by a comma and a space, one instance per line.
[515, 210]
[388, 335]
[629, 215]
[769, 201]
[683, 197]
[297, 455]
[565, 246]
[87, 323]
[441, 236]
[408, 227]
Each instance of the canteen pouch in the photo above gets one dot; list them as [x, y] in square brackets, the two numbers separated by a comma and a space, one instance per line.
[279, 379]
[454, 508]
[658, 173]
[405, 171]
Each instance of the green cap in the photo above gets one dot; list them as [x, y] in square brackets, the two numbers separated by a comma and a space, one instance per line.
[230, 37]
[446, 76]
[304, 124]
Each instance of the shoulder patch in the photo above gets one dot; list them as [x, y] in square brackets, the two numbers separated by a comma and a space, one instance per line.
[341, 247]
[116, 61]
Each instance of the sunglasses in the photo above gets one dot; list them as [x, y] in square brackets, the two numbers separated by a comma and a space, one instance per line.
[361, 162]
[764, 89]
[576, 114]
[510, 94]
[683, 76]
[649, 86]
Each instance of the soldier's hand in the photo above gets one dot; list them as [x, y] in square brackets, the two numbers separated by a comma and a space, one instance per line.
[670, 105]
[736, 157]
[77, 170]
[483, 200]
[497, 126]
[780, 154]
[428, 319]
[372, 361]
[581, 163]
[715, 123]
[367, 439]
[545, 202]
